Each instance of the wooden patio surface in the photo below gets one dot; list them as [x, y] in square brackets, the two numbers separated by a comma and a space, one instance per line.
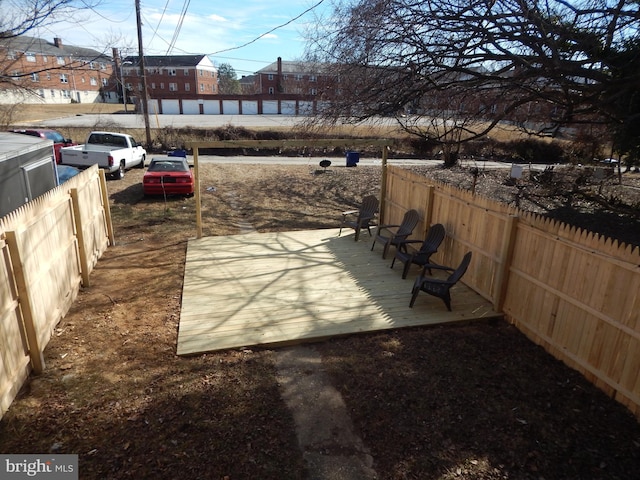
[291, 287]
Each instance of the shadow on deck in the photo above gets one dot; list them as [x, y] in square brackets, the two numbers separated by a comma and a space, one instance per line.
[292, 287]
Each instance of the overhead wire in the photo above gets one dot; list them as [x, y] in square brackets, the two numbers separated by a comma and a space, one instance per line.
[176, 33]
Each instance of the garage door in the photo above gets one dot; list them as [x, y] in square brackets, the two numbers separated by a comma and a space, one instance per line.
[211, 107]
[249, 107]
[169, 107]
[230, 107]
[190, 107]
[270, 107]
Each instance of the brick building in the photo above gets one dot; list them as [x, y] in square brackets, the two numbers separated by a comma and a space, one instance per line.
[171, 77]
[34, 70]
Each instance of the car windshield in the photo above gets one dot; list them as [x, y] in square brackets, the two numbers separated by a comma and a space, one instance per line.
[168, 166]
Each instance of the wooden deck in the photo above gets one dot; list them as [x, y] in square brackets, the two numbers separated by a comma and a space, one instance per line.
[288, 287]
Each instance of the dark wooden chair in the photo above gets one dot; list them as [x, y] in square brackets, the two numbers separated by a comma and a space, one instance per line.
[422, 256]
[396, 234]
[438, 287]
[361, 218]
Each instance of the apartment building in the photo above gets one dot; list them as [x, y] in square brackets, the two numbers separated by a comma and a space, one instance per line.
[170, 77]
[34, 70]
[294, 78]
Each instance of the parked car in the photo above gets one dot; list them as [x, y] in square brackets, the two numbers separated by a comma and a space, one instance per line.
[609, 161]
[113, 152]
[65, 172]
[168, 176]
[56, 137]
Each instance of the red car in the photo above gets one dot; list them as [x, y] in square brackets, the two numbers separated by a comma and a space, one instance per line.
[168, 176]
[58, 139]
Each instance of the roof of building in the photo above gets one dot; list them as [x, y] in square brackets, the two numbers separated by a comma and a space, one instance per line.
[294, 67]
[56, 48]
[172, 60]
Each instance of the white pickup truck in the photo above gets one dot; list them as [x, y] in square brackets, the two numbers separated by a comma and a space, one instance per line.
[113, 152]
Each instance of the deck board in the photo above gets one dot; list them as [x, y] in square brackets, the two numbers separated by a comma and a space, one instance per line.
[287, 287]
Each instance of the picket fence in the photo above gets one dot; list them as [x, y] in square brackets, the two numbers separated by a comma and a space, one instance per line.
[573, 292]
[48, 249]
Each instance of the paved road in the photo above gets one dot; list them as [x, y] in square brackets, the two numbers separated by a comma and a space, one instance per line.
[116, 121]
[335, 161]
[131, 120]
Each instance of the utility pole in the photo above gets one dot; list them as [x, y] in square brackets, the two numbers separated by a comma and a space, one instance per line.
[143, 74]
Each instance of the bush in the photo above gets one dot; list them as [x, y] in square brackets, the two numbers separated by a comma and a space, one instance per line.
[535, 151]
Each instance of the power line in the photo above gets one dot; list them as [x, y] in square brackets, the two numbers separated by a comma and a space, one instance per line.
[270, 31]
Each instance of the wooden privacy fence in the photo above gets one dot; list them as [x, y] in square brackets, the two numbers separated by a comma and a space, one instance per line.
[575, 293]
[49, 247]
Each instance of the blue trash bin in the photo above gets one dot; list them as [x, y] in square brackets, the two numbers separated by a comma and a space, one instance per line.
[352, 159]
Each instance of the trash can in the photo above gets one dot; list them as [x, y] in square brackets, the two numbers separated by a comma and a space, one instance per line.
[352, 159]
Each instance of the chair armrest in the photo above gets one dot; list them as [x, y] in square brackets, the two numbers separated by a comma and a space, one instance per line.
[436, 281]
[435, 266]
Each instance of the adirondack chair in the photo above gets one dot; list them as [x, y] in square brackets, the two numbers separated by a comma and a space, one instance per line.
[438, 287]
[361, 218]
[421, 257]
[396, 234]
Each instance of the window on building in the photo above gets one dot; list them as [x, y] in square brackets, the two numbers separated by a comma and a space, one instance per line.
[313, 78]
[270, 76]
[171, 72]
[60, 60]
[153, 85]
[313, 91]
[103, 66]
[187, 87]
[35, 77]
[66, 94]
[271, 90]
[173, 87]
[64, 78]
[45, 59]
[105, 82]
[92, 65]
[93, 81]
[161, 85]
[31, 57]
[11, 55]
[41, 93]
[202, 87]
[186, 72]
[53, 93]
[139, 87]
[201, 73]
[48, 75]
[299, 77]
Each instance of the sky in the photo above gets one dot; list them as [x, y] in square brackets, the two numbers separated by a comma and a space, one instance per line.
[247, 34]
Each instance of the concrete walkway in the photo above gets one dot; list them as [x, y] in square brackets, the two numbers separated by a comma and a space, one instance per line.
[331, 448]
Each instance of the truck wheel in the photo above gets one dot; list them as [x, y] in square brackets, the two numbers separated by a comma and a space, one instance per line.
[120, 173]
[141, 164]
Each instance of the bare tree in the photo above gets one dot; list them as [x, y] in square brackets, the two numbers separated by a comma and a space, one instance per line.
[538, 64]
[21, 17]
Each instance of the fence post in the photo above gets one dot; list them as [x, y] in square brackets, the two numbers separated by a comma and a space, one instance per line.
[106, 208]
[428, 209]
[505, 257]
[383, 185]
[77, 218]
[24, 299]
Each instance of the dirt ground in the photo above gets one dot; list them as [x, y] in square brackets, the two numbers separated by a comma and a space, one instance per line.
[458, 402]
